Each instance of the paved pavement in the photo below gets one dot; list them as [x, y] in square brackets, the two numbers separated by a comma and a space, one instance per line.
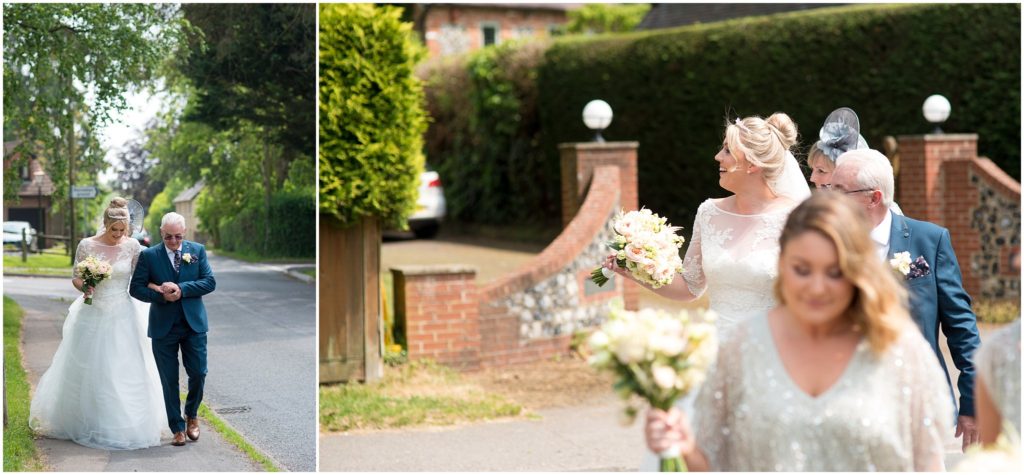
[262, 371]
[587, 438]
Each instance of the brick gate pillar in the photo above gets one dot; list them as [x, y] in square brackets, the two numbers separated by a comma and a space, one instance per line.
[578, 163]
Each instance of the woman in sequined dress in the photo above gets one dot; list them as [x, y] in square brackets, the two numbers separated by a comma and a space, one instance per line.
[835, 377]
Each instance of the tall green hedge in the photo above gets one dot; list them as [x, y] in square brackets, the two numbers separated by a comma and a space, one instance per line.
[484, 135]
[371, 114]
[672, 90]
[293, 233]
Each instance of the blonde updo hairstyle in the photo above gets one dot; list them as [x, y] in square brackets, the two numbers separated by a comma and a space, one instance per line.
[116, 211]
[764, 142]
[879, 305]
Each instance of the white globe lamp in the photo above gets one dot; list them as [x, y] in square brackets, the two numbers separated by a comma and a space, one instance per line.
[597, 115]
[936, 110]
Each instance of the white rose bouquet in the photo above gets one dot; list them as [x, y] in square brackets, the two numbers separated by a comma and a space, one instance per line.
[92, 270]
[645, 245]
[658, 357]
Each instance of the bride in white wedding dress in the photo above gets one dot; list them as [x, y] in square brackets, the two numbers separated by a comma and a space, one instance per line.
[734, 249]
[102, 389]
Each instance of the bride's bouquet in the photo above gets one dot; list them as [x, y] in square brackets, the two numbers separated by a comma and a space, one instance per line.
[645, 245]
[93, 270]
[657, 357]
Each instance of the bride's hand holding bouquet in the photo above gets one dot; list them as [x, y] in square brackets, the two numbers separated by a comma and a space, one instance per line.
[92, 270]
[645, 246]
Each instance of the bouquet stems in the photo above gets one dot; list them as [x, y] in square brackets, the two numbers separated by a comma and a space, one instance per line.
[672, 464]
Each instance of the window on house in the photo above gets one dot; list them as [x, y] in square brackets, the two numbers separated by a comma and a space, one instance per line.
[524, 32]
[489, 32]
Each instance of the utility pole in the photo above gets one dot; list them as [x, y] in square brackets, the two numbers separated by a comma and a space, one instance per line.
[72, 244]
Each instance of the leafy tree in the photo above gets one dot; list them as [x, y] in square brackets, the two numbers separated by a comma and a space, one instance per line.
[606, 18]
[372, 115]
[66, 67]
[254, 63]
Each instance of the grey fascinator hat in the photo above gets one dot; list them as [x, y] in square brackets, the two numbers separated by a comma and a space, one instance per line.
[841, 133]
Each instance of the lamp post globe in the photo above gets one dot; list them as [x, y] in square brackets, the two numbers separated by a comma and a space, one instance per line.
[597, 115]
[936, 110]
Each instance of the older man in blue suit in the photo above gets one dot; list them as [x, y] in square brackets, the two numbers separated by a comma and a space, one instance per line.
[937, 296]
[177, 318]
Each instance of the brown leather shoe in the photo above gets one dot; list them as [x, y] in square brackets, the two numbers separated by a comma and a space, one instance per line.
[179, 439]
[192, 428]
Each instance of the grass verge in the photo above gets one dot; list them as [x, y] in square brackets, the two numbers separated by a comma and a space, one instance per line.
[996, 311]
[415, 394]
[308, 271]
[20, 453]
[38, 264]
[236, 439]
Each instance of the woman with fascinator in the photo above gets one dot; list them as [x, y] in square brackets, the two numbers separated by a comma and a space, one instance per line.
[734, 247]
[102, 389]
[839, 134]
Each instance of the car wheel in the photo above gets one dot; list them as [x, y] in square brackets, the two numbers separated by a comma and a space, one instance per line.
[427, 231]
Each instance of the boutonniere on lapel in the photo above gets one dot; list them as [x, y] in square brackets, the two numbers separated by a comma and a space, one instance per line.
[186, 258]
[910, 269]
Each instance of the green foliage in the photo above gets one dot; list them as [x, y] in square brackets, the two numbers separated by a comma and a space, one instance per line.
[671, 90]
[371, 114]
[292, 232]
[606, 18]
[254, 63]
[66, 68]
[20, 453]
[162, 204]
[996, 311]
[483, 141]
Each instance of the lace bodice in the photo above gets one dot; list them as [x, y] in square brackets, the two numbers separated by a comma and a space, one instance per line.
[734, 258]
[122, 259]
[885, 413]
[998, 364]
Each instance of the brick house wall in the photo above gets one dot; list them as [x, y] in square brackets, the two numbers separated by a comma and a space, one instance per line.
[450, 29]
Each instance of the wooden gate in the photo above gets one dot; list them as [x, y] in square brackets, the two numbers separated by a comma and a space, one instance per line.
[350, 328]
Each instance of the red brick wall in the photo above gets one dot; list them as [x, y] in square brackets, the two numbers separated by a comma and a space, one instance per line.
[937, 184]
[439, 307]
[473, 17]
[449, 318]
[578, 163]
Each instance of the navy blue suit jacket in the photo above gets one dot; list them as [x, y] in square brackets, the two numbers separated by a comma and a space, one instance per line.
[195, 280]
[938, 300]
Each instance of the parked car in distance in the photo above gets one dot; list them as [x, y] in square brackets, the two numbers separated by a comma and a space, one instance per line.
[430, 206]
[143, 238]
[12, 233]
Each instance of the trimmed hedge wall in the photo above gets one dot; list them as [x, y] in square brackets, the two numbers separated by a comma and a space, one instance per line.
[293, 234]
[672, 90]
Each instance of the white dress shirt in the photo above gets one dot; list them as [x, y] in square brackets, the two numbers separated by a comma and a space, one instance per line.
[881, 236]
[170, 255]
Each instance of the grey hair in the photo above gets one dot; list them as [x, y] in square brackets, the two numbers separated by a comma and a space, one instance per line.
[873, 171]
[172, 218]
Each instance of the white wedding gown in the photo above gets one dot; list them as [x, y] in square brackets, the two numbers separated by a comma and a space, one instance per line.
[734, 258]
[102, 389]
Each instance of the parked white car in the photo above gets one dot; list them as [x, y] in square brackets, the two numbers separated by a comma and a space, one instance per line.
[12, 233]
[430, 206]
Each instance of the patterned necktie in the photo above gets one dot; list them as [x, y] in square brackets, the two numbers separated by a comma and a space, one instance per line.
[177, 260]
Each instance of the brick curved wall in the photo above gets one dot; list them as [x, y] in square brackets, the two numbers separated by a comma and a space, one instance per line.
[527, 315]
[942, 180]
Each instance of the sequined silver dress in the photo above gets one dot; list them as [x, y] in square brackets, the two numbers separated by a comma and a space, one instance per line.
[885, 413]
[998, 364]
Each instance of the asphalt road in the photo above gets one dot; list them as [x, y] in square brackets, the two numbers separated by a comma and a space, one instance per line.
[261, 354]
